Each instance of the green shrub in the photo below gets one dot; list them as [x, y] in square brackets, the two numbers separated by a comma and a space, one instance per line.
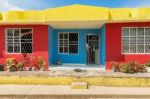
[130, 67]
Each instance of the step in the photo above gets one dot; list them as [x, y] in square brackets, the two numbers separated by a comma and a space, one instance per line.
[79, 85]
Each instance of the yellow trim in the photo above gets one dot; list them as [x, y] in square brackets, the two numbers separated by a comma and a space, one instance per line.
[99, 81]
[0, 16]
[76, 13]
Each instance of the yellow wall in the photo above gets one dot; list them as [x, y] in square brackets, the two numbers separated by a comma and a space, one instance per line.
[34, 16]
[12, 16]
[140, 13]
[119, 14]
[0, 16]
[77, 13]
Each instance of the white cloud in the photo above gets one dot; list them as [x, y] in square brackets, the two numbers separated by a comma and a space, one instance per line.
[5, 5]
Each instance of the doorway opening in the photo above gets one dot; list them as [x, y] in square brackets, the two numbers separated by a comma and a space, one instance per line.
[92, 49]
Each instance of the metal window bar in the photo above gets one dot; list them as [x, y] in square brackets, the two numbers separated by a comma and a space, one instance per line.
[15, 36]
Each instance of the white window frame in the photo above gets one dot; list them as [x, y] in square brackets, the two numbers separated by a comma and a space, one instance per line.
[6, 51]
[68, 42]
[129, 40]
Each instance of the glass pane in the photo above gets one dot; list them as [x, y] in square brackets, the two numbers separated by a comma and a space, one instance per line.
[26, 33]
[73, 38]
[132, 40]
[16, 41]
[16, 37]
[140, 32]
[125, 31]
[66, 42]
[9, 41]
[16, 48]
[9, 32]
[10, 48]
[132, 31]
[65, 49]
[73, 48]
[61, 36]
[65, 35]
[60, 49]
[140, 48]
[147, 40]
[26, 40]
[16, 32]
[133, 48]
[125, 49]
[147, 32]
[60, 42]
[125, 40]
[140, 40]
[26, 47]
[147, 48]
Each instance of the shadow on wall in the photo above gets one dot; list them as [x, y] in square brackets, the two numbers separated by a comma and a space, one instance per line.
[1, 56]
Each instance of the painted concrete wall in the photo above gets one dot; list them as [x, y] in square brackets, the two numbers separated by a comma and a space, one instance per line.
[113, 44]
[51, 44]
[102, 45]
[40, 41]
[80, 57]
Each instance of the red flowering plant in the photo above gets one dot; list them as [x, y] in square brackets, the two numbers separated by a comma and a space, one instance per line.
[116, 66]
[130, 67]
[26, 61]
[33, 63]
[11, 64]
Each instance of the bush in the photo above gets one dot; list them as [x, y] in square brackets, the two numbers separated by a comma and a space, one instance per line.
[11, 64]
[130, 67]
[27, 63]
[148, 64]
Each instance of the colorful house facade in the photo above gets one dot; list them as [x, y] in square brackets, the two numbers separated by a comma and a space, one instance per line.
[78, 35]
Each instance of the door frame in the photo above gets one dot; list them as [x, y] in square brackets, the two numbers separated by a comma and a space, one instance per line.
[98, 46]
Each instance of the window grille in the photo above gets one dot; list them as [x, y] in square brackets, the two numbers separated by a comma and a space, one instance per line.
[19, 40]
[68, 43]
[136, 40]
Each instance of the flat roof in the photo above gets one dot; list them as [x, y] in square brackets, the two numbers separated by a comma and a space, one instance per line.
[76, 13]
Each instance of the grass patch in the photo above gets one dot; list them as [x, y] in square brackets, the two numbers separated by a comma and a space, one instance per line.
[99, 81]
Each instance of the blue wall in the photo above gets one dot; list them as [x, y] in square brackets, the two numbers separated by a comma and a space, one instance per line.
[102, 45]
[80, 57]
[51, 41]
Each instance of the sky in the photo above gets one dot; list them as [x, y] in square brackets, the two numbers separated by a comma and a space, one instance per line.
[6, 5]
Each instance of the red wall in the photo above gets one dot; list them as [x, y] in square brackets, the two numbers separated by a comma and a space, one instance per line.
[113, 44]
[40, 41]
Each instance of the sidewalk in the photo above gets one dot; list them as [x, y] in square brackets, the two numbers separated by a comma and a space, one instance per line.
[61, 92]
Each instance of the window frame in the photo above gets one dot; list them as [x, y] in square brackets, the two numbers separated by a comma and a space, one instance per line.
[6, 51]
[136, 42]
[68, 42]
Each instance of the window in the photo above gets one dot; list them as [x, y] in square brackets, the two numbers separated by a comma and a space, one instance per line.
[19, 40]
[136, 40]
[68, 43]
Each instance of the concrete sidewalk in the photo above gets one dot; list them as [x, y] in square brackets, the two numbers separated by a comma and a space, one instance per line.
[61, 92]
